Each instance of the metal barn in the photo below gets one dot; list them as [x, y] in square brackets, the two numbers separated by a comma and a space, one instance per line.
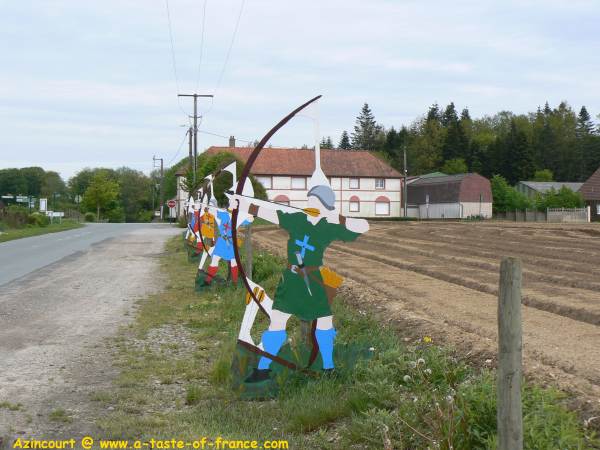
[450, 197]
[591, 194]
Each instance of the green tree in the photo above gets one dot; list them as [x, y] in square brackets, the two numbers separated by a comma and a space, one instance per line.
[12, 182]
[80, 181]
[345, 141]
[543, 175]
[588, 144]
[456, 144]
[101, 192]
[520, 161]
[53, 185]
[477, 161]
[505, 197]
[424, 150]
[34, 176]
[585, 126]
[434, 113]
[449, 116]
[135, 195]
[563, 198]
[366, 130]
[455, 166]
[326, 142]
[211, 163]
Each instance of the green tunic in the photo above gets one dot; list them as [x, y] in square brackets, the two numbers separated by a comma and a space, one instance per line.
[311, 241]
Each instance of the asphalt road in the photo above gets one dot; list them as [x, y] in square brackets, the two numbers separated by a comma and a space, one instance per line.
[74, 289]
[22, 256]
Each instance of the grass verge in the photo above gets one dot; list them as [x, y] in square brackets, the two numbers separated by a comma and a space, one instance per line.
[175, 364]
[11, 234]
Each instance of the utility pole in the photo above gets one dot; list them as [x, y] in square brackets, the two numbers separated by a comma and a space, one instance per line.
[190, 142]
[195, 131]
[405, 186]
[161, 198]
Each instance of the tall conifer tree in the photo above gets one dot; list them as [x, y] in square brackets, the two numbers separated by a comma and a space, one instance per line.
[345, 141]
[366, 130]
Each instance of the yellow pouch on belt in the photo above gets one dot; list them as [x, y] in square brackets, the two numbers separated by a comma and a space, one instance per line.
[330, 278]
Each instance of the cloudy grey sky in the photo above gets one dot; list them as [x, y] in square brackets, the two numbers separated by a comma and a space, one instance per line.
[91, 83]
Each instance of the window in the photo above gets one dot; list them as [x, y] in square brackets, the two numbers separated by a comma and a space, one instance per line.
[267, 182]
[298, 182]
[354, 183]
[382, 206]
[282, 199]
[354, 204]
[379, 183]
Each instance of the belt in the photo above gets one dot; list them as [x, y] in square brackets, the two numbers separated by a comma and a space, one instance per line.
[309, 269]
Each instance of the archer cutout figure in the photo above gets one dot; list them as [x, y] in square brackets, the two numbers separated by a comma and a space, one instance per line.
[207, 231]
[305, 289]
[224, 245]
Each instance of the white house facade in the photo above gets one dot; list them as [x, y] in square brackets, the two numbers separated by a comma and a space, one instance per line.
[364, 185]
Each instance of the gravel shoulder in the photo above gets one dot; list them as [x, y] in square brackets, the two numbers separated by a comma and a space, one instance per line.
[53, 325]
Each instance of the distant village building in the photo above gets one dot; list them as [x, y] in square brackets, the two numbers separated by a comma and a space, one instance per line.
[441, 196]
[364, 185]
[532, 188]
[591, 194]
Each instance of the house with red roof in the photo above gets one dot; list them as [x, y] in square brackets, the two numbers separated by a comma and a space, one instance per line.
[364, 185]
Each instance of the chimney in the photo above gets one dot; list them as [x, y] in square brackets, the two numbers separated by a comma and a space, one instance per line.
[232, 141]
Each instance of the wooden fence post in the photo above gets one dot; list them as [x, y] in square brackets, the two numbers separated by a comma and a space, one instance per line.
[510, 343]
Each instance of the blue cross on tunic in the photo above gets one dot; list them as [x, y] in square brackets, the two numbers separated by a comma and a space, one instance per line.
[304, 245]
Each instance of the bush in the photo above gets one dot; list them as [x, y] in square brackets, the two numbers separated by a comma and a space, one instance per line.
[89, 217]
[15, 216]
[507, 198]
[116, 215]
[38, 220]
[145, 216]
[265, 266]
[563, 198]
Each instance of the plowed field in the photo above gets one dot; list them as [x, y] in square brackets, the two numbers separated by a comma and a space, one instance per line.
[441, 278]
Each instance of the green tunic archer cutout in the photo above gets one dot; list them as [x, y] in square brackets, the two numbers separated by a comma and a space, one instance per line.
[311, 241]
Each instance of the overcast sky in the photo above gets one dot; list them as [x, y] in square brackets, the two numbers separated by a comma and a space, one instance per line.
[91, 83]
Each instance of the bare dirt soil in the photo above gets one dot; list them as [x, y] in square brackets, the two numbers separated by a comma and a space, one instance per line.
[53, 325]
[441, 279]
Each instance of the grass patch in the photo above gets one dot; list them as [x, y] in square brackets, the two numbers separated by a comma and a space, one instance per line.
[10, 406]
[409, 394]
[30, 231]
[60, 415]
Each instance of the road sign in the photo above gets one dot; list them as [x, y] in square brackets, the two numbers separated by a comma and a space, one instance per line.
[171, 203]
[22, 199]
[43, 204]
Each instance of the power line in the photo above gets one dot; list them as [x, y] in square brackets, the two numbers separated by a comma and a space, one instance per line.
[178, 149]
[233, 36]
[224, 137]
[235, 30]
[173, 55]
[201, 44]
